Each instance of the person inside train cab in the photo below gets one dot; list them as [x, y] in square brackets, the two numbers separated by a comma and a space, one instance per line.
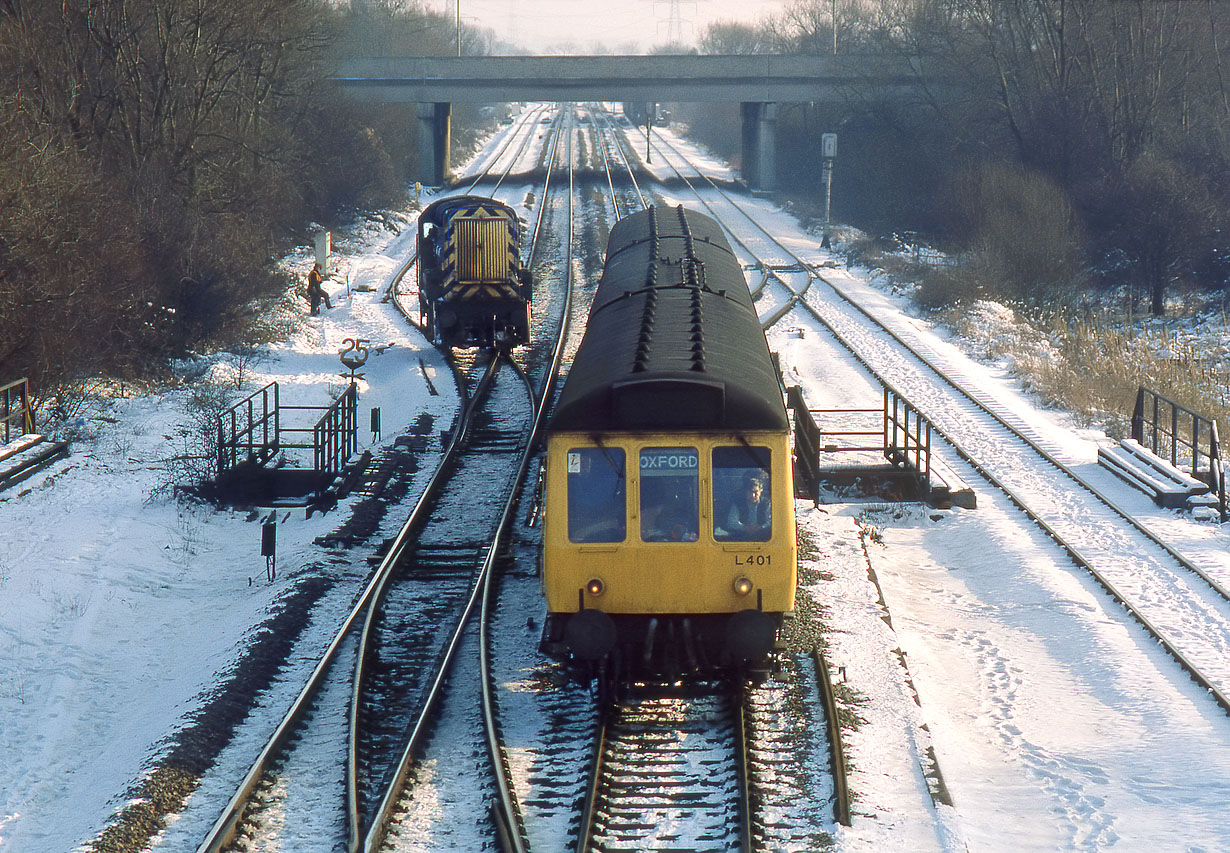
[748, 518]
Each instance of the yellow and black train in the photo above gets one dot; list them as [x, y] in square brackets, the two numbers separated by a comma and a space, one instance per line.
[473, 289]
[669, 537]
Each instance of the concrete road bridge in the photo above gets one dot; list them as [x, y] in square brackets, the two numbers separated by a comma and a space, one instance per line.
[758, 83]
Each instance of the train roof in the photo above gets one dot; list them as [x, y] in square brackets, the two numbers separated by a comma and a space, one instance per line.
[440, 210]
[673, 340]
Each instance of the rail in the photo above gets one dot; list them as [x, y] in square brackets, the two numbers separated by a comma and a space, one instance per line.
[15, 408]
[1176, 433]
[837, 754]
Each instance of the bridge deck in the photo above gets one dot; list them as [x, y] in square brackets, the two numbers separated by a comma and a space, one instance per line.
[730, 79]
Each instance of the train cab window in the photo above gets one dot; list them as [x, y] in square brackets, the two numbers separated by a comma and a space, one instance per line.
[427, 245]
[742, 511]
[670, 508]
[597, 506]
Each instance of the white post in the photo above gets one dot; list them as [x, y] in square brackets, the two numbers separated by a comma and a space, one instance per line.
[828, 152]
[324, 245]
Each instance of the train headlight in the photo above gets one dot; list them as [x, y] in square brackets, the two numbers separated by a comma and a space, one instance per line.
[743, 586]
[595, 586]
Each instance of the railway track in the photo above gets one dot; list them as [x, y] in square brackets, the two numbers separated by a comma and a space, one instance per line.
[413, 613]
[559, 724]
[510, 817]
[464, 728]
[1179, 598]
[416, 621]
[670, 772]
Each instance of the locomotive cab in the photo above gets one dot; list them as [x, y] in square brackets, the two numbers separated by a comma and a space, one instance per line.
[473, 289]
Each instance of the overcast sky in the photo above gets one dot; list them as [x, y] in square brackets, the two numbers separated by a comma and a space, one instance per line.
[618, 24]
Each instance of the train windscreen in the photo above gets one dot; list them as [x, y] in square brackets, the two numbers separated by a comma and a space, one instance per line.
[597, 507]
[742, 510]
[670, 509]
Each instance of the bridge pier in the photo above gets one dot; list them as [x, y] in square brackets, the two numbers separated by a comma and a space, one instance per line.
[760, 145]
[434, 137]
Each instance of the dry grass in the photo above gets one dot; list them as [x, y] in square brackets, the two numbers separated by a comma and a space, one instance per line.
[1088, 361]
[1093, 365]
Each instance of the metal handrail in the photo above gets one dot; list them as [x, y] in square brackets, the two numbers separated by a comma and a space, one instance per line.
[1162, 426]
[18, 391]
[335, 435]
[907, 437]
[251, 431]
[230, 441]
[904, 433]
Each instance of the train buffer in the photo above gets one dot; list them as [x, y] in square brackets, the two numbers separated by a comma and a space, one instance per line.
[1164, 483]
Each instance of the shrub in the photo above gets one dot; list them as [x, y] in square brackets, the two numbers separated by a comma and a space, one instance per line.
[954, 285]
[1019, 234]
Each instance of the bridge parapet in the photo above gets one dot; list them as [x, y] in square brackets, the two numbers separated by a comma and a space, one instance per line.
[660, 78]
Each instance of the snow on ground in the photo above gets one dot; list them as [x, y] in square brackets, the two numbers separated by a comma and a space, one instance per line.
[1045, 715]
[1004, 702]
[122, 608]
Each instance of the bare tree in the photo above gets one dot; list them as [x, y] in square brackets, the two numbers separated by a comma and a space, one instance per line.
[1085, 90]
[729, 38]
[1164, 218]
